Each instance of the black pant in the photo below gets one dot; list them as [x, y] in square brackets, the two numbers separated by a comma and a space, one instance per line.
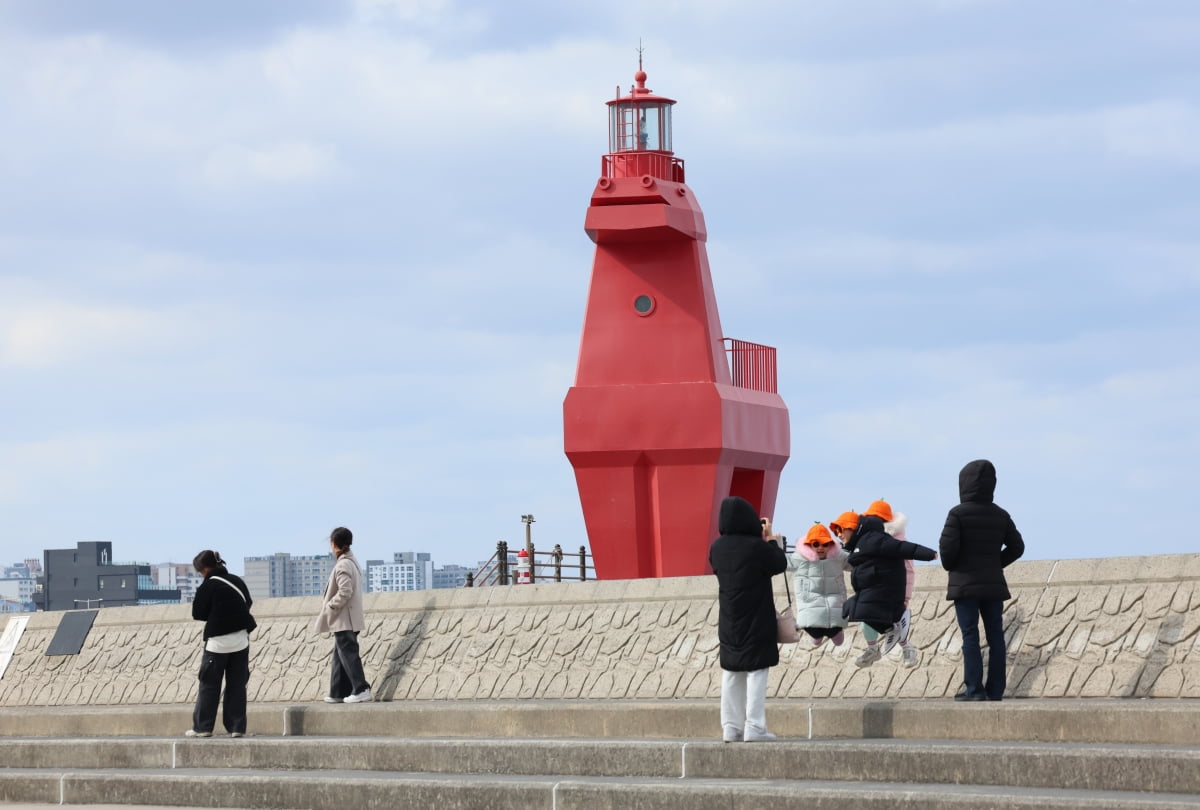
[969, 612]
[822, 632]
[347, 677]
[235, 669]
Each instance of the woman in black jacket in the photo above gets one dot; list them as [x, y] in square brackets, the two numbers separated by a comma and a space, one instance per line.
[744, 562]
[978, 542]
[223, 603]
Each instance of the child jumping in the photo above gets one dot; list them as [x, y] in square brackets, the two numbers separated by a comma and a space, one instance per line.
[878, 575]
[894, 524]
[819, 567]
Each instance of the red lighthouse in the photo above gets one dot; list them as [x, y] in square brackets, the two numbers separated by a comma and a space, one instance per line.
[666, 416]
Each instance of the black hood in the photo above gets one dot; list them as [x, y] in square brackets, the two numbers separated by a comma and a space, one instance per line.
[977, 482]
[738, 517]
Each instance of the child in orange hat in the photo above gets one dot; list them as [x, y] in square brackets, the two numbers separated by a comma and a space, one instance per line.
[882, 583]
[894, 524]
[819, 566]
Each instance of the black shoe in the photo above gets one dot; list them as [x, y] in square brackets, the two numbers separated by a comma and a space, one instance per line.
[964, 696]
[997, 699]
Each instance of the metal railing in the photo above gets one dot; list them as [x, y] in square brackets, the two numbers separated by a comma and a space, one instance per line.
[500, 570]
[639, 164]
[752, 365]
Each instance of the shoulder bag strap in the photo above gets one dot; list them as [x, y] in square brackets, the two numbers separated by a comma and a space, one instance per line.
[239, 590]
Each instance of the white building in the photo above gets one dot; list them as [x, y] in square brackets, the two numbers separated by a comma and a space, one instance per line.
[408, 571]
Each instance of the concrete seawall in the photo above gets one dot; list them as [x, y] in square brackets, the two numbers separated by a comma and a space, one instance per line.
[1116, 627]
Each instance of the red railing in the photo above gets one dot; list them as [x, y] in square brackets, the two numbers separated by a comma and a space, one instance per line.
[752, 365]
[639, 164]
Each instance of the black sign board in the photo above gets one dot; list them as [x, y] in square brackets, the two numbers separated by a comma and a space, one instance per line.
[72, 632]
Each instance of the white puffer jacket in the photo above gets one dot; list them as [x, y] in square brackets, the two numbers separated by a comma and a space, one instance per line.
[820, 586]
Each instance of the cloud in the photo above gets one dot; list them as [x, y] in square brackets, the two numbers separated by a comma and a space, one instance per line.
[235, 166]
[61, 333]
[1165, 131]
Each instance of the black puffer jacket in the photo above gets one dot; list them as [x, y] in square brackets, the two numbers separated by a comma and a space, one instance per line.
[979, 539]
[878, 575]
[744, 564]
[220, 607]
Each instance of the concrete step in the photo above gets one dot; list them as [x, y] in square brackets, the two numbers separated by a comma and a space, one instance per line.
[1159, 722]
[337, 790]
[1103, 767]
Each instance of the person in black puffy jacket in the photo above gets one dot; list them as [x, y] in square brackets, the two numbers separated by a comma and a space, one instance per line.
[978, 541]
[744, 562]
[878, 575]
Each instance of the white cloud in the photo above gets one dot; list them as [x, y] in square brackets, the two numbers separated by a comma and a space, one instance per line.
[1163, 131]
[61, 333]
[235, 166]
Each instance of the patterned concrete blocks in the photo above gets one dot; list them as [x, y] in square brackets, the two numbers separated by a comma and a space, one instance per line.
[1125, 627]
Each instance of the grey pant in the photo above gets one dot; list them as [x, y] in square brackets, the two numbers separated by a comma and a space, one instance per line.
[347, 677]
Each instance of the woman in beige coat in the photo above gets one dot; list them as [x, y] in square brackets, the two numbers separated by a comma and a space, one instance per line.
[342, 615]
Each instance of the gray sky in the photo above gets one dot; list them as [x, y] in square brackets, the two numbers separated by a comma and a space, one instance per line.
[271, 267]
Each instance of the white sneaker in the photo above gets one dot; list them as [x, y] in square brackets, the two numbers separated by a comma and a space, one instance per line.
[752, 735]
[890, 639]
[191, 732]
[362, 697]
[236, 734]
[732, 734]
[909, 657]
[869, 656]
[332, 699]
[905, 623]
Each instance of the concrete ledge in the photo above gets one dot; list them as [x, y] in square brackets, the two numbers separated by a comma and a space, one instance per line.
[1160, 722]
[338, 790]
[1076, 628]
[1029, 765]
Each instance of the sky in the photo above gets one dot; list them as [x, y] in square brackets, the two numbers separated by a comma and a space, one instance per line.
[268, 267]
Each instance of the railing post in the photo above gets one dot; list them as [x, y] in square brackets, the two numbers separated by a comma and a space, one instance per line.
[502, 561]
[583, 563]
[557, 555]
[532, 562]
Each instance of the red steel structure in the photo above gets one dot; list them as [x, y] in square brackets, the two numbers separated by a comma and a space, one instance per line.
[657, 427]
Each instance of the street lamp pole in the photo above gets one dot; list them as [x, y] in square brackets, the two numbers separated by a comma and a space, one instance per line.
[528, 521]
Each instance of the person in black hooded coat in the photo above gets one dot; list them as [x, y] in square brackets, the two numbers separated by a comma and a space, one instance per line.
[978, 542]
[878, 575]
[744, 562]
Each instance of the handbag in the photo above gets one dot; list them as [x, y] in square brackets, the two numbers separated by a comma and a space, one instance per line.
[787, 633]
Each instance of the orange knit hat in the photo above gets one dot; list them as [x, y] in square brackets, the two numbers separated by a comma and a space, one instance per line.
[817, 535]
[846, 520]
[881, 510]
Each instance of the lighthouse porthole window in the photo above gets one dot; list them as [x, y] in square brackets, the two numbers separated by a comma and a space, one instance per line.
[643, 305]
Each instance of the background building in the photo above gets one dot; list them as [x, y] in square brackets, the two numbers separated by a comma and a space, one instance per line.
[408, 571]
[281, 574]
[451, 576]
[17, 583]
[86, 576]
[178, 575]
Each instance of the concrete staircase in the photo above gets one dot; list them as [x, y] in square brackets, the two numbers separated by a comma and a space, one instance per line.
[832, 755]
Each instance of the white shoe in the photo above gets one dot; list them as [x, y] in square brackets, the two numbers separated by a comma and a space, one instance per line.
[236, 734]
[752, 735]
[732, 734]
[191, 732]
[905, 623]
[332, 699]
[890, 639]
[909, 657]
[362, 697]
[869, 656]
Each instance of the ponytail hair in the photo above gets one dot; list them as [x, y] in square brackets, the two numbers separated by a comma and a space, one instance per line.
[209, 559]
